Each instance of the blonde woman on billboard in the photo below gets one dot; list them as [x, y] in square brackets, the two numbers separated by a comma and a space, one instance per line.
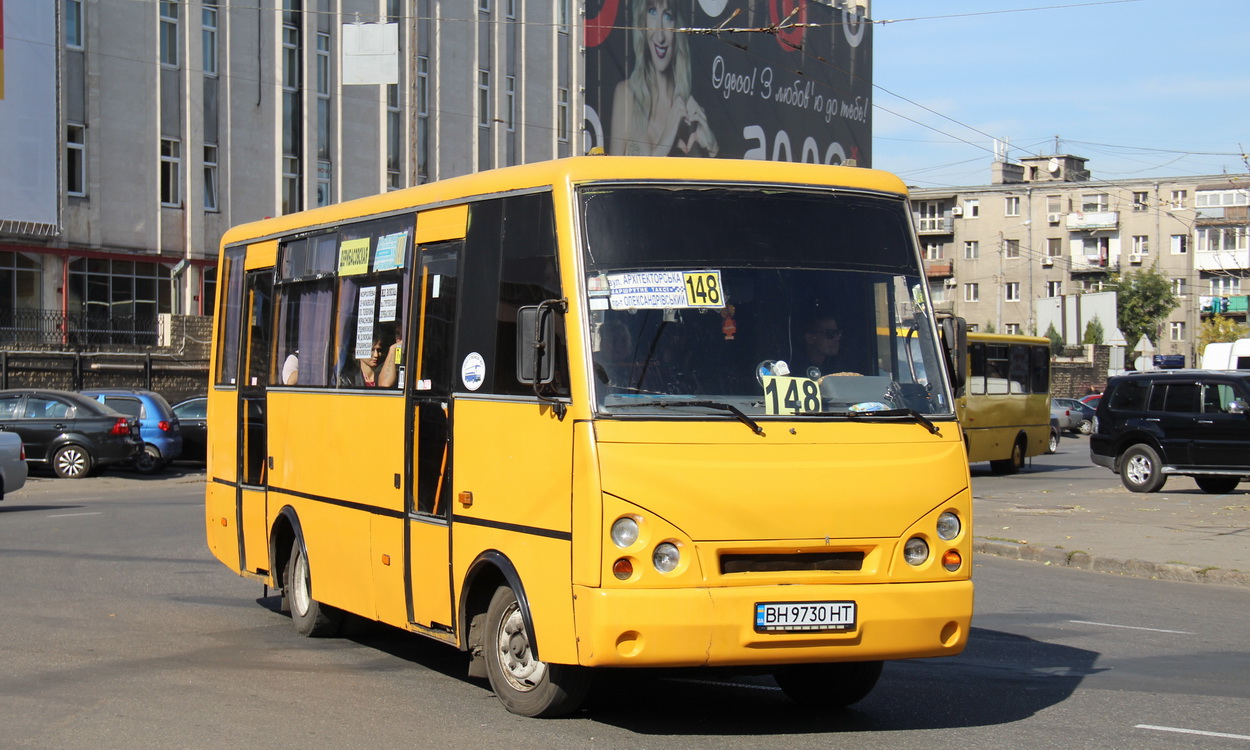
[653, 112]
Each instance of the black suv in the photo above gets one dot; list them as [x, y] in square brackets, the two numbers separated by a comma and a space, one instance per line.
[1190, 422]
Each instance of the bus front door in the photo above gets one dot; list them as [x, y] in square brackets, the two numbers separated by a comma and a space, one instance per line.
[253, 456]
[429, 413]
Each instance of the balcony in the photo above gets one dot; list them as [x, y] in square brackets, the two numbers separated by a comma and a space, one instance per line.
[55, 328]
[937, 269]
[1236, 305]
[944, 224]
[1093, 220]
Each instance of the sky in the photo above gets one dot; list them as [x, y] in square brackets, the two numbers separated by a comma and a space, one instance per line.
[1142, 88]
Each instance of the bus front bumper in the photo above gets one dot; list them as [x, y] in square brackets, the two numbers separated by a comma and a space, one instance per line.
[715, 626]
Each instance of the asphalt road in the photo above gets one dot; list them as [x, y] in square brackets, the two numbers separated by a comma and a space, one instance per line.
[120, 631]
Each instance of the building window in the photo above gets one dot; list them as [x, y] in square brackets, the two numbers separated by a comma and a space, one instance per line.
[292, 119]
[1141, 244]
[1011, 329]
[1214, 239]
[290, 185]
[19, 286]
[1094, 202]
[115, 301]
[510, 12]
[73, 24]
[933, 251]
[76, 160]
[1054, 204]
[1141, 202]
[1178, 198]
[1226, 286]
[1096, 247]
[1054, 247]
[972, 250]
[1012, 206]
[972, 292]
[394, 138]
[423, 117]
[210, 177]
[171, 172]
[1180, 244]
[169, 33]
[483, 6]
[483, 98]
[563, 15]
[510, 102]
[1176, 329]
[1178, 287]
[1222, 198]
[1012, 288]
[1011, 248]
[323, 95]
[1054, 288]
[972, 209]
[208, 38]
[562, 113]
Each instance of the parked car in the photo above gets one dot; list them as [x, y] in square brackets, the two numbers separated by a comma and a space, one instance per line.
[69, 432]
[1083, 414]
[1063, 416]
[13, 467]
[193, 414]
[1150, 425]
[1052, 444]
[162, 434]
[1091, 399]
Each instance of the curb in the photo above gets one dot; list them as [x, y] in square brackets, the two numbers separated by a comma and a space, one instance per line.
[1135, 568]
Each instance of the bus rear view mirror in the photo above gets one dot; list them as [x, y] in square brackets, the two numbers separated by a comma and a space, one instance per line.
[535, 332]
[955, 338]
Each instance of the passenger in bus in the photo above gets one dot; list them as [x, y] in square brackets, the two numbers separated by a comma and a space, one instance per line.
[290, 368]
[379, 368]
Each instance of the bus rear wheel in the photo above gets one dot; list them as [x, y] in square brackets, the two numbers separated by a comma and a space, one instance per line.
[311, 618]
[525, 685]
[828, 685]
[1010, 465]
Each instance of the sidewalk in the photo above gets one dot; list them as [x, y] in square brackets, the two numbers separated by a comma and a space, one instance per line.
[1087, 519]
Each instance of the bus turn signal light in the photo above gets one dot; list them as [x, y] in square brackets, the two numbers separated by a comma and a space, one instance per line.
[623, 568]
[951, 560]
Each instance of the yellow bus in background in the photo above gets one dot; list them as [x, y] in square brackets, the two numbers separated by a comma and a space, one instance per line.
[557, 416]
[1004, 405]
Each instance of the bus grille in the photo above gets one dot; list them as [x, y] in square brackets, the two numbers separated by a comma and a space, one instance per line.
[772, 563]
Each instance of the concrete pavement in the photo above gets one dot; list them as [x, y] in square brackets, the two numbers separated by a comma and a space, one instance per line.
[1062, 510]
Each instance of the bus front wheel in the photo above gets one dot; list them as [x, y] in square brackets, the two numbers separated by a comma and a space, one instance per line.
[311, 617]
[828, 685]
[525, 685]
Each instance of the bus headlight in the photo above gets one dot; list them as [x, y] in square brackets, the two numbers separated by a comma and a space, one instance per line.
[948, 526]
[625, 531]
[916, 551]
[666, 557]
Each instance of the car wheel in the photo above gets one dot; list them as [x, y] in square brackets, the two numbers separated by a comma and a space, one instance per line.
[1217, 485]
[828, 685]
[1010, 465]
[311, 618]
[1053, 445]
[148, 461]
[1141, 469]
[525, 685]
[71, 462]
[1086, 426]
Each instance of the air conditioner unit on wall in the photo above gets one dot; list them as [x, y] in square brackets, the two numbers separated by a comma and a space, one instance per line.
[1134, 257]
[949, 281]
[957, 211]
[1047, 262]
[1053, 218]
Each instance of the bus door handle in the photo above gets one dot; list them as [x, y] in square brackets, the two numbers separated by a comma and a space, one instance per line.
[1152, 419]
[1206, 421]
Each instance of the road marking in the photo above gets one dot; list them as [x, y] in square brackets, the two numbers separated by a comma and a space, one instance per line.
[1131, 627]
[1194, 731]
[71, 515]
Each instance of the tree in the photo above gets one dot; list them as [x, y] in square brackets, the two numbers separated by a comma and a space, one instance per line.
[1056, 341]
[1094, 333]
[1144, 299]
[1219, 328]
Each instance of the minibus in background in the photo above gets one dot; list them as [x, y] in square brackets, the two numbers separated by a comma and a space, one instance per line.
[559, 416]
[1004, 406]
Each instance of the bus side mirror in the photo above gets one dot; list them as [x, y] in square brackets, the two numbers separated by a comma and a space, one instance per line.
[535, 330]
[955, 339]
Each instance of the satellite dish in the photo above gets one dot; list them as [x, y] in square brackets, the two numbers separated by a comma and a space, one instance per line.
[1053, 165]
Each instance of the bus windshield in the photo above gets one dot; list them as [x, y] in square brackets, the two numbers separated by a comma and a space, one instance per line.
[757, 301]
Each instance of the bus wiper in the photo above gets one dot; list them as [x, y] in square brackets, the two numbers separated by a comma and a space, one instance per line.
[742, 417]
[920, 418]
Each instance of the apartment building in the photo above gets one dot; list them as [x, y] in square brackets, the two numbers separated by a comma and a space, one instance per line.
[1045, 227]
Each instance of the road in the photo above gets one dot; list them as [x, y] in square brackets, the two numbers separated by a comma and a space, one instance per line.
[121, 631]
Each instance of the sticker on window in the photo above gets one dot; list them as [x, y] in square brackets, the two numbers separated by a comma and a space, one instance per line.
[655, 290]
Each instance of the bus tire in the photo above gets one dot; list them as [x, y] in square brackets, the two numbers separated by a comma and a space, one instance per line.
[828, 685]
[1011, 465]
[311, 618]
[525, 685]
[1141, 469]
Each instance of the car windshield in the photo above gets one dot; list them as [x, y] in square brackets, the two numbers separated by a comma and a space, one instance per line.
[770, 301]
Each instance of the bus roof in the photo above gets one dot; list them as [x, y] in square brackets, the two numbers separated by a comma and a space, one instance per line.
[572, 171]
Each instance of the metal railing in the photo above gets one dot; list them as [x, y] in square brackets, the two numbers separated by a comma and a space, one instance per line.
[53, 327]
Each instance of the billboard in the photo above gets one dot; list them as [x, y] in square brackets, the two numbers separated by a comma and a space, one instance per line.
[781, 80]
[28, 124]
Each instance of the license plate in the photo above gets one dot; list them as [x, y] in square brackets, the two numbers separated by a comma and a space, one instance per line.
[804, 616]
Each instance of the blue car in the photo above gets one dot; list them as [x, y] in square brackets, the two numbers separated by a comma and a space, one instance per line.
[161, 431]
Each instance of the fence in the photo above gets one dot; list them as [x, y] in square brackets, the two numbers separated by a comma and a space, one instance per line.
[56, 328]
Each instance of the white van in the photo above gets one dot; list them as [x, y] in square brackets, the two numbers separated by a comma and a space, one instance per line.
[1227, 355]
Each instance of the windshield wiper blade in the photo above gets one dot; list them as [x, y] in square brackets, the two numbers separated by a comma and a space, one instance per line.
[741, 415]
[920, 418]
